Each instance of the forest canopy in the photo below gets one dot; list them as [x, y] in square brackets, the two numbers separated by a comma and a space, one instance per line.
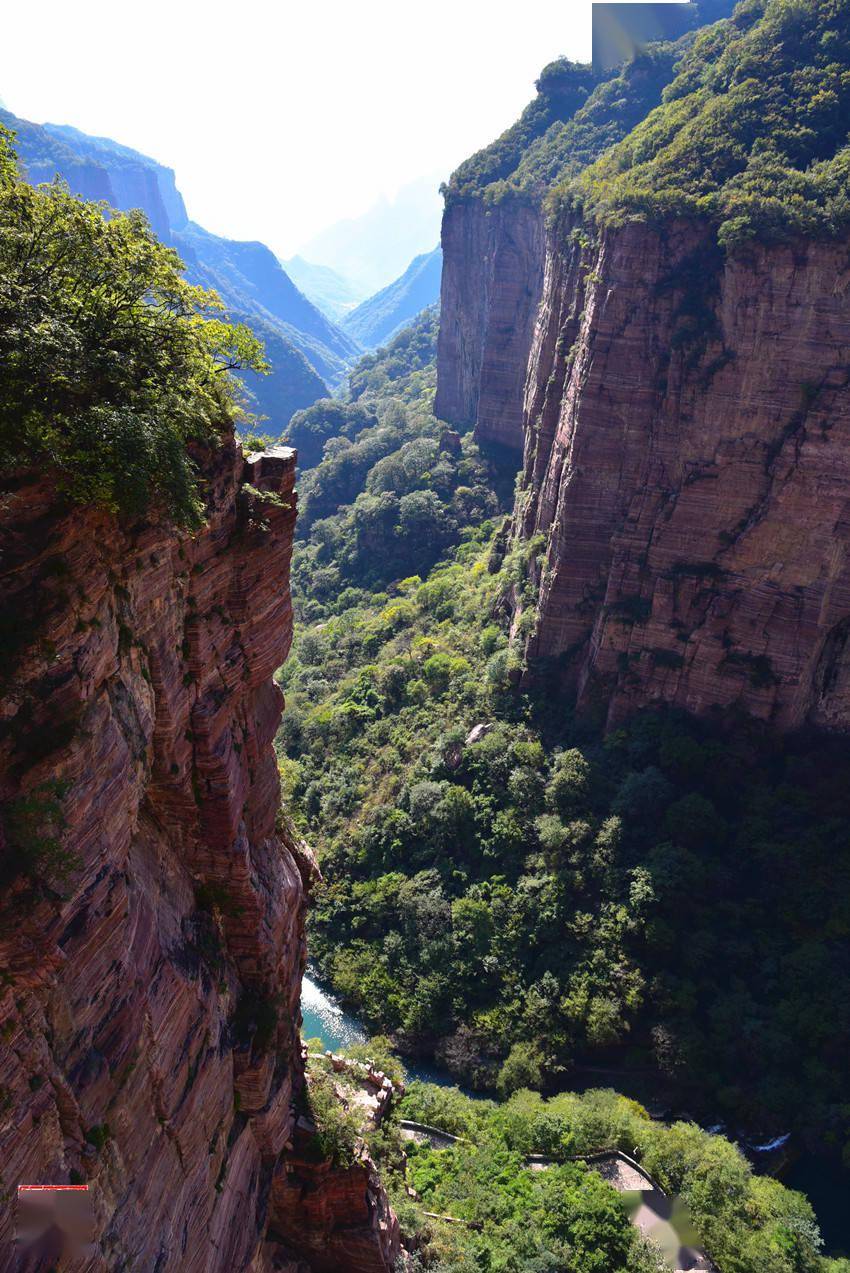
[505, 890]
[752, 132]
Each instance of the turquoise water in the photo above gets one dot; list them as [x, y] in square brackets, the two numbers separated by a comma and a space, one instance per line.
[324, 1019]
[826, 1183]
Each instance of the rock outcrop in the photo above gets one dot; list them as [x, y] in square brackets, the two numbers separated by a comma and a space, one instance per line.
[339, 1215]
[494, 229]
[149, 998]
[493, 259]
[683, 409]
[687, 424]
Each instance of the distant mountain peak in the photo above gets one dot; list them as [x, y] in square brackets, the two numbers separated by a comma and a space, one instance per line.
[373, 249]
[380, 317]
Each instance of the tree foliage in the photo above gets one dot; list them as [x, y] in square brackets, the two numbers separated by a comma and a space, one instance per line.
[567, 1218]
[114, 368]
[752, 132]
[538, 897]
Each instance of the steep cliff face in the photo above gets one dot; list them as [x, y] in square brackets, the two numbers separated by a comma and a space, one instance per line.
[493, 237]
[149, 1008]
[685, 409]
[687, 430]
[492, 277]
[133, 184]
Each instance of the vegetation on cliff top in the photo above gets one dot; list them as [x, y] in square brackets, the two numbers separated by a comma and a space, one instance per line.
[753, 131]
[743, 123]
[562, 88]
[577, 114]
[113, 365]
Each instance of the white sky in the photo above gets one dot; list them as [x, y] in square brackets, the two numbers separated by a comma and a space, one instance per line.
[282, 118]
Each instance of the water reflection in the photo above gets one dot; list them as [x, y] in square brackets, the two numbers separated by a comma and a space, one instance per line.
[324, 1019]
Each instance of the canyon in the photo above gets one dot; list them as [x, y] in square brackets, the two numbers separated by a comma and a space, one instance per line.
[503, 894]
[150, 995]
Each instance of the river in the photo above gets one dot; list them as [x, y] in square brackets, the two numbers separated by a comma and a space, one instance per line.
[324, 1019]
[826, 1183]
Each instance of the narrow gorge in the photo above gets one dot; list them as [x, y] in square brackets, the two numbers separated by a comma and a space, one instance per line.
[527, 713]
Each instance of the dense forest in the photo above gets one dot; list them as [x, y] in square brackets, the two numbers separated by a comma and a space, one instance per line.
[538, 906]
[752, 131]
[516, 895]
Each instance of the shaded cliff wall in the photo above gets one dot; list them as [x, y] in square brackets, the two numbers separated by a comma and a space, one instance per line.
[339, 1218]
[687, 423]
[129, 178]
[149, 1003]
[493, 259]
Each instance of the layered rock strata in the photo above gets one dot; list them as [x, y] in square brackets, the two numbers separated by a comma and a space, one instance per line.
[339, 1216]
[687, 433]
[493, 259]
[149, 998]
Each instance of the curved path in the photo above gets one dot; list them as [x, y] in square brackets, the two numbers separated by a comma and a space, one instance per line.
[652, 1213]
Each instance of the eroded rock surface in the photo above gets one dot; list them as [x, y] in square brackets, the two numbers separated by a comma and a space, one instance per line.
[149, 1004]
[687, 423]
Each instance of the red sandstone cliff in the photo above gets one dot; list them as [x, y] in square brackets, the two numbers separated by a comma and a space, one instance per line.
[687, 463]
[149, 1005]
[492, 277]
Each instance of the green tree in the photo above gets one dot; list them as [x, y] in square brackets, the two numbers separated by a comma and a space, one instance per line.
[114, 367]
[523, 1067]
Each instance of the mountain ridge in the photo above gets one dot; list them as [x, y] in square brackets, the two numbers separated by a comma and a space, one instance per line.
[380, 317]
[308, 352]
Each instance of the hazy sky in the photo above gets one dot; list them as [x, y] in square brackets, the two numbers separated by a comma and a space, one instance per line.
[281, 118]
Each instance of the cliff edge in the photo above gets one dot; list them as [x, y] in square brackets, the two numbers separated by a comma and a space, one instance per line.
[153, 903]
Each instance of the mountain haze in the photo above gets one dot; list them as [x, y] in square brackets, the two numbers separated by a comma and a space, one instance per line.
[380, 317]
[375, 248]
[334, 295]
[308, 353]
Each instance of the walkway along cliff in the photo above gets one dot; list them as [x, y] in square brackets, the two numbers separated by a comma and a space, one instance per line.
[149, 1005]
